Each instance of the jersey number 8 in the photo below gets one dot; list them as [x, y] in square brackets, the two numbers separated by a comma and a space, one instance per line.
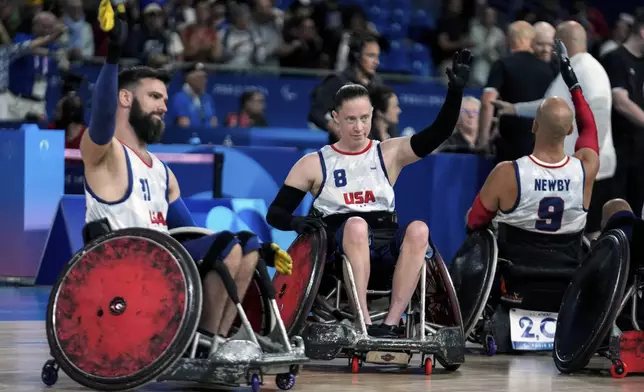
[550, 214]
[340, 177]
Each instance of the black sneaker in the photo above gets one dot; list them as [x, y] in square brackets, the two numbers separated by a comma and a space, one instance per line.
[383, 331]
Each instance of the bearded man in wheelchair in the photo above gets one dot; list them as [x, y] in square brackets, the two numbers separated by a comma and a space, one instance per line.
[539, 203]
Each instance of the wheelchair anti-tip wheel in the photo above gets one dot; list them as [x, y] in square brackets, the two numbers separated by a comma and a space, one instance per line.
[123, 310]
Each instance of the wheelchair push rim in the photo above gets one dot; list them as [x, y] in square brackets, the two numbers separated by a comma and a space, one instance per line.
[295, 294]
[576, 299]
[442, 305]
[472, 314]
[124, 309]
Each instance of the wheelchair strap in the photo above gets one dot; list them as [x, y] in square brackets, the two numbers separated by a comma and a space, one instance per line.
[375, 219]
[382, 237]
[537, 249]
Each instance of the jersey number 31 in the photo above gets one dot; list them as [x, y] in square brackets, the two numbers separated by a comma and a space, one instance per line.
[550, 212]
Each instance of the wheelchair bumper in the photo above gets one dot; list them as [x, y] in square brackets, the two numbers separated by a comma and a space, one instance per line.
[326, 341]
[234, 362]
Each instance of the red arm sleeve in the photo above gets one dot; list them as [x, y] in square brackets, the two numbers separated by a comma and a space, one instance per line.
[479, 216]
[585, 123]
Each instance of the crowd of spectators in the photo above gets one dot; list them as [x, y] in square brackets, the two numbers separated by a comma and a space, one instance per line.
[245, 34]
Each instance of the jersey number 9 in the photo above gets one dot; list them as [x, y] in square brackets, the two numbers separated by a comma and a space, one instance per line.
[550, 214]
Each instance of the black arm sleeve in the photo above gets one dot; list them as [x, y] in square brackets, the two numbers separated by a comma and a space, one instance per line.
[280, 212]
[427, 140]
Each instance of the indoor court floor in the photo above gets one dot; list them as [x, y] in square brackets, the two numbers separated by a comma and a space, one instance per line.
[24, 349]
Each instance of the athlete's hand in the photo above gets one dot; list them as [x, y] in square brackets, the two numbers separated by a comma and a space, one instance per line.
[459, 72]
[275, 256]
[505, 108]
[567, 73]
[306, 224]
[115, 28]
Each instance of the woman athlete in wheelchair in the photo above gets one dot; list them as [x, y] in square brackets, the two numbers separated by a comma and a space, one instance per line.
[352, 182]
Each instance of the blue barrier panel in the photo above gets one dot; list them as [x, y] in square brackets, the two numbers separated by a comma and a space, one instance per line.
[439, 190]
[65, 237]
[287, 98]
[249, 172]
[32, 165]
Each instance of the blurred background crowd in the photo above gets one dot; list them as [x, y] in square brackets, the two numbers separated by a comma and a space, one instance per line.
[335, 41]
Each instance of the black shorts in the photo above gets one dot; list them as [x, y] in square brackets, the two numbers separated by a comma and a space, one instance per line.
[602, 192]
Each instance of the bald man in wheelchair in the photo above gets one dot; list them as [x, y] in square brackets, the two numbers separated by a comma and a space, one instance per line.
[540, 201]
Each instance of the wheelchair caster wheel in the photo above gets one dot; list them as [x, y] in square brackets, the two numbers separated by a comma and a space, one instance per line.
[285, 381]
[429, 366]
[618, 369]
[490, 346]
[254, 383]
[49, 374]
[355, 365]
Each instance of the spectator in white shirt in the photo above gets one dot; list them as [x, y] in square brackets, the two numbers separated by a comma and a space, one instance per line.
[597, 91]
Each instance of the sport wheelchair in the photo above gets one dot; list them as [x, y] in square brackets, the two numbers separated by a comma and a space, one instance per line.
[595, 315]
[506, 307]
[124, 312]
[319, 302]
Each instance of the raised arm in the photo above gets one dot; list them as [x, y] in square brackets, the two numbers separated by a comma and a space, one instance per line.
[402, 151]
[297, 184]
[97, 141]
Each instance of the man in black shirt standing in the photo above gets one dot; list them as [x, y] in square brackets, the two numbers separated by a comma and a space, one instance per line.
[364, 54]
[518, 77]
[625, 68]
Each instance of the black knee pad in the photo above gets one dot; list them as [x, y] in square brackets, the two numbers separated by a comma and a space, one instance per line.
[215, 253]
[249, 241]
[94, 229]
[244, 236]
[621, 220]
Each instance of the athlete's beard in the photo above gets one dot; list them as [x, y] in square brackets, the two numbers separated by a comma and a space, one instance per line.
[147, 128]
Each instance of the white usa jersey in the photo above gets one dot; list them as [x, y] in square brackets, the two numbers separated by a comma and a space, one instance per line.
[550, 197]
[353, 182]
[145, 203]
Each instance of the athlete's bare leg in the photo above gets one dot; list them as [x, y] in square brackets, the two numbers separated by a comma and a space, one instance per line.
[355, 244]
[215, 295]
[242, 279]
[410, 262]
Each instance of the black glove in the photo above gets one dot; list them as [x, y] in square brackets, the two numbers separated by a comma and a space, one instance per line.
[306, 224]
[459, 72]
[567, 73]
